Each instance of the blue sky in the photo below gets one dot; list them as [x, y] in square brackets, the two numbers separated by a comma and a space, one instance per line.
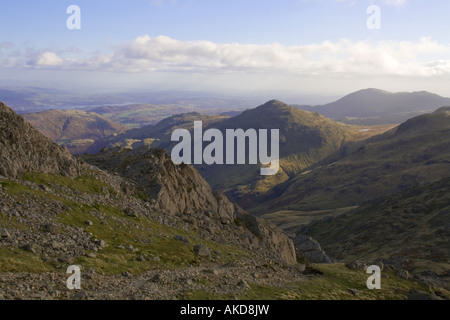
[314, 46]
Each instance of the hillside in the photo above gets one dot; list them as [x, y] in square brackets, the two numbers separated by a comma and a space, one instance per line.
[144, 228]
[305, 139]
[76, 130]
[415, 153]
[154, 215]
[155, 135]
[373, 106]
[413, 227]
[139, 115]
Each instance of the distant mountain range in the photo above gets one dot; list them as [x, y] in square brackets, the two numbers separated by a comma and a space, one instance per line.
[305, 139]
[373, 106]
[74, 129]
[34, 99]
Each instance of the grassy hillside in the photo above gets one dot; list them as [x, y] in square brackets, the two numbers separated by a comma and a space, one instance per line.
[415, 153]
[76, 130]
[414, 224]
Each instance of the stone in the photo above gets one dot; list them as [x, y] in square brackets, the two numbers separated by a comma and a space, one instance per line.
[131, 212]
[89, 222]
[182, 239]
[202, 251]
[51, 228]
[243, 285]
[44, 188]
[4, 234]
[101, 243]
[354, 292]
[404, 274]
[142, 257]
[31, 247]
[357, 265]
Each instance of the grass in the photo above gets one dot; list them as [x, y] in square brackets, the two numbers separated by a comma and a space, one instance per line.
[87, 183]
[112, 225]
[16, 260]
[334, 284]
[291, 220]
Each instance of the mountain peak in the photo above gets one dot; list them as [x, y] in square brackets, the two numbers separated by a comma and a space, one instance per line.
[274, 103]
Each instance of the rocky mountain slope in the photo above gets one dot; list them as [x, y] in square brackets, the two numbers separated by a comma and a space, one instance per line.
[182, 192]
[373, 106]
[76, 130]
[56, 211]
[23, 149]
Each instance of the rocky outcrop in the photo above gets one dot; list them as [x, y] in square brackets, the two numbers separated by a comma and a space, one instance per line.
[270, 236]
[310, 249]
[23, 149]
[181, 191]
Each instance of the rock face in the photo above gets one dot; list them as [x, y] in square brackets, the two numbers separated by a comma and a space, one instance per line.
[310, 249]
[181, 191]
[23, 148]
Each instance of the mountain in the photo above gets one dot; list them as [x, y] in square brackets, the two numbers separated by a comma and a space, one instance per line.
[142, 106]
[415, 153]
[155, 135]
[305, 139]
[412, 227]
[24, 149]
[57, 211]
[373, 106]
[384, 200]
[76, 130]
[144, 228]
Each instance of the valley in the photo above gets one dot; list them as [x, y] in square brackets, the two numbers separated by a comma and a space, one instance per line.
[366, 194]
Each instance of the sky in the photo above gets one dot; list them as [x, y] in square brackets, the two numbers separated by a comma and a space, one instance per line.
[321, 47]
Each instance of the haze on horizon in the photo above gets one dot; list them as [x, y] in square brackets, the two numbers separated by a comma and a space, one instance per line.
[316, 47]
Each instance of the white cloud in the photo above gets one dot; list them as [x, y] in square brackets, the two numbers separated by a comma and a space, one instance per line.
[145, 54]
[342, 57]
[46, 59]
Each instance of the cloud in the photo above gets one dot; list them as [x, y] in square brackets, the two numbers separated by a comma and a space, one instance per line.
[6, 45]
[342, 57]
[46, 59]
[146, 54]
